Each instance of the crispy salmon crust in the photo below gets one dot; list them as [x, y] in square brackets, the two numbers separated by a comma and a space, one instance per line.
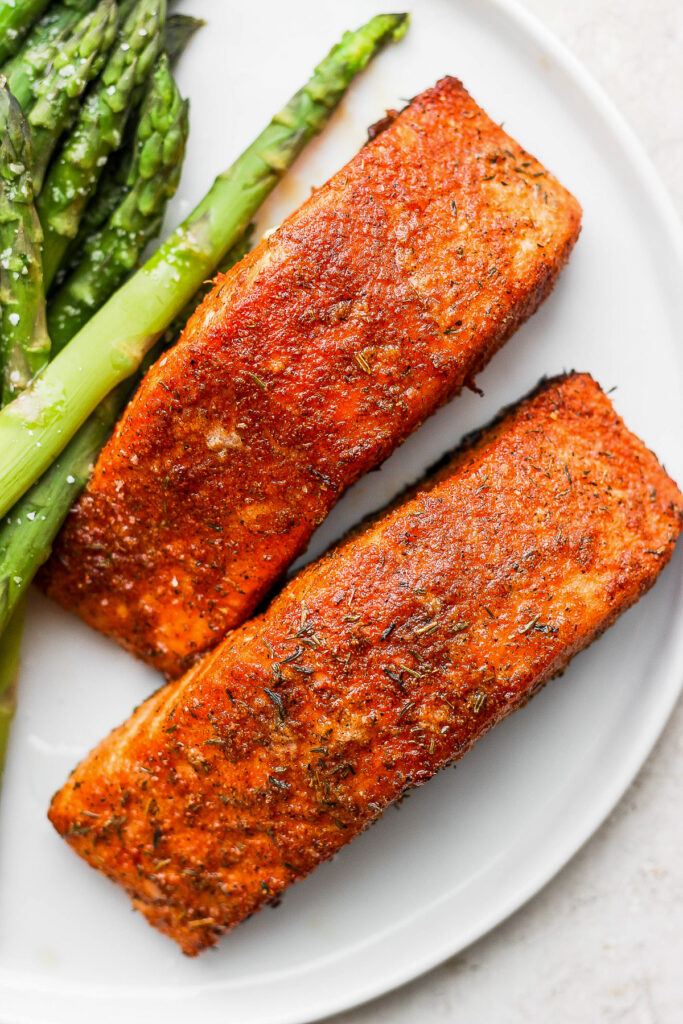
[306, 366]
[376, 666]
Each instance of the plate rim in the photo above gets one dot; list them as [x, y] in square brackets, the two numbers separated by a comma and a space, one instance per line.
[310, 1009]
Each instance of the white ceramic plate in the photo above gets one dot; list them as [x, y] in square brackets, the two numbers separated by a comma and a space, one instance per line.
[470, 847]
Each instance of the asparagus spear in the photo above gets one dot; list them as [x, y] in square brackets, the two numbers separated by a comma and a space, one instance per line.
[15, 21]
[111, 191]
[10, 649]
[26, 69]
[58, 94]
[26, 534]
[113, 252]
[179, 30]
[74, 173]
[112, 186]
[37, 425]
[24, 342]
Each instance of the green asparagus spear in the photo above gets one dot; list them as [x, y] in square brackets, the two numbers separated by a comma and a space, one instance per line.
[27, 68]
[24, 342]
[74, 173]
[58, 94]
[113, 252]
[10, 650]
[112, 187]
[26, 534]
[37, 425]
[111, 191]
[15, 21]
[179, 30]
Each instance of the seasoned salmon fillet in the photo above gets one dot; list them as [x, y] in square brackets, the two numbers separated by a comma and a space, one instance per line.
[305, 367]
[376, 666]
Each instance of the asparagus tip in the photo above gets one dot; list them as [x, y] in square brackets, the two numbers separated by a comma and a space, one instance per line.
[399, 22]
[402, 23]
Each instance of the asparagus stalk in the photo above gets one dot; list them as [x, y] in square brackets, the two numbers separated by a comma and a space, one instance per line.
[112, 187]
[24, 342]
[179, 30]
[113, 252]
[15, 21]
[74, 174]
[58, 95]
[37, 425]
[26, 534]
[27, 68]
[10, 650]
[111, 191]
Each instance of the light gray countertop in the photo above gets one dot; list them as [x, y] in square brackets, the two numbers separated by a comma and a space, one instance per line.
[603, 942]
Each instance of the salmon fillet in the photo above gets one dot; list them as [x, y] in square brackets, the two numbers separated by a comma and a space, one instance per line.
[376, 666]
[306, 366]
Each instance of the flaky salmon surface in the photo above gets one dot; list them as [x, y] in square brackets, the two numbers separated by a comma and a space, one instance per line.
[306, 366]
[376, 666]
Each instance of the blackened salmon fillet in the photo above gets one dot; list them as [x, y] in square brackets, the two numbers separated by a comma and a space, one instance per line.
[376, 666]
[306, 366]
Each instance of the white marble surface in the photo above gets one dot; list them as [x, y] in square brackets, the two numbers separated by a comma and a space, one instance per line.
[604, 941]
